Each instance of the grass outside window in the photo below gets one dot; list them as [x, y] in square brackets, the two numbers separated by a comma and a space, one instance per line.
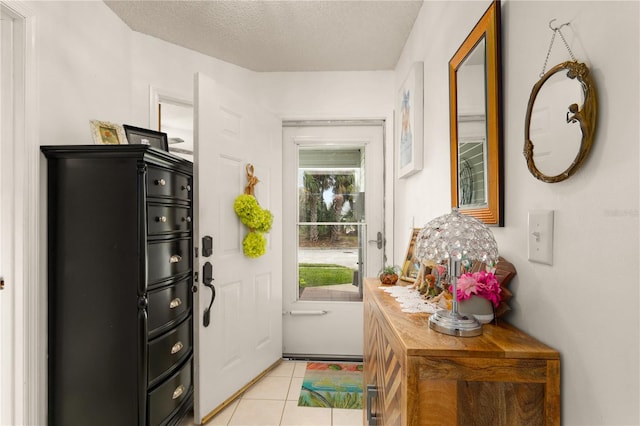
[316, 275]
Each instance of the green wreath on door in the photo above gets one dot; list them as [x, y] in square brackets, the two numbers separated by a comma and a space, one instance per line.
[254, 217]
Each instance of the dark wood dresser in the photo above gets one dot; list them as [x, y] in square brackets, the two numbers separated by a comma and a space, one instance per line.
[120, 243]
[417, 376]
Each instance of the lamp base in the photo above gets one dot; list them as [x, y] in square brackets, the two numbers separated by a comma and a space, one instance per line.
[455, 324]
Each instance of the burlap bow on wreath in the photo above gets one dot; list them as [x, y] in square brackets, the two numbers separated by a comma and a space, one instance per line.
[257, 219]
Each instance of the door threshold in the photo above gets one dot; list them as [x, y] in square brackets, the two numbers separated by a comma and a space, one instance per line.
[320, 358]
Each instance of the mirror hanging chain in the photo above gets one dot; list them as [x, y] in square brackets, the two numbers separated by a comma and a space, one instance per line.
[556, 30]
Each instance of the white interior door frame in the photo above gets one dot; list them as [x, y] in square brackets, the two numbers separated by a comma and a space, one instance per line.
[158, 95]
[27, 398]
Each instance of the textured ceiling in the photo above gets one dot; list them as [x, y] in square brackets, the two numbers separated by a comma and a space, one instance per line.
[300, 35]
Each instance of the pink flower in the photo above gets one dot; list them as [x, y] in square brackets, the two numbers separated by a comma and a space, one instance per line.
[467, 285]
[483, 284]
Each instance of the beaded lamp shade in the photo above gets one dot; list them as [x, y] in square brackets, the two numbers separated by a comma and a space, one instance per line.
[456, 238]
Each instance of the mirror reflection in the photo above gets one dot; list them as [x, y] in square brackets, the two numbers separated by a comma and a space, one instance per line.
[476, 122]
[472, 129]
[555, 132]
[560, 122]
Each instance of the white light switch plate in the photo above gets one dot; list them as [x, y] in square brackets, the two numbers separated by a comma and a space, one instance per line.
[541, 236]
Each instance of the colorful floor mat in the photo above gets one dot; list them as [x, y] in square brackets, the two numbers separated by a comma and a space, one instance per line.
[332, 385]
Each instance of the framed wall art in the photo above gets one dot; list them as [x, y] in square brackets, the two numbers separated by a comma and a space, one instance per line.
[140, 136]
[411, 265]
[105, 133]
[409, 133]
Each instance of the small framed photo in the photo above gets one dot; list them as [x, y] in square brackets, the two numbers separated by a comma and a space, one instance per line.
[105, 133]
[140, 136]
[411, 265]
[409, 133]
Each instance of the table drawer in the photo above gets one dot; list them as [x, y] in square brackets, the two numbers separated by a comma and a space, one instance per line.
[168, 304]
[170, 395]
[163, 219]
[169, 349]
[168, 184]
[168, 258]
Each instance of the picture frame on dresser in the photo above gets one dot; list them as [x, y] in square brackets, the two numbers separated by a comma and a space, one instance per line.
[142, 136]
[411, 265]
[106, 133]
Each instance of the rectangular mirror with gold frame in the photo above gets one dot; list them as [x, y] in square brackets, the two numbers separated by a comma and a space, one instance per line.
[476, 122]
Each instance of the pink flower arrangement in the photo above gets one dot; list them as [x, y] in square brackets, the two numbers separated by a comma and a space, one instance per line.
[483, 284]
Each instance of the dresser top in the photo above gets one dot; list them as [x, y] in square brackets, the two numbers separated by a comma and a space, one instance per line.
[413, 332]
[145, 152]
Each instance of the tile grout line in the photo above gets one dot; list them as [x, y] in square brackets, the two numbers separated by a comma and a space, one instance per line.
[286, 398]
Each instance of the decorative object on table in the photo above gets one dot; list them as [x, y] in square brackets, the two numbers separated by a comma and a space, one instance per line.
[332, 385]
[561, 116]
[475, 121]
[389, 274]
[105, 133]
[504, 272]
[459, 240]
[427, 284]
[411, 265]
[140, 136]
[410, 118]
[478, 294]
[257, 219]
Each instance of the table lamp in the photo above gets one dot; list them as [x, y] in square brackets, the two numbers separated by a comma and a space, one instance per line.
[455, 238]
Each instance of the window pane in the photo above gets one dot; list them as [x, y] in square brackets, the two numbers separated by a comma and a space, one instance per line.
[330, 223]
[328, 268]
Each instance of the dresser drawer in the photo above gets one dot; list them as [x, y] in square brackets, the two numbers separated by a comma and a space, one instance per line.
[167, 258]
[169, 349]
[163, 219]
[168, 305]
[167, 398]
[168, 184]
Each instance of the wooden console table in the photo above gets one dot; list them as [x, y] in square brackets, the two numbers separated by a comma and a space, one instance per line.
[416, 376]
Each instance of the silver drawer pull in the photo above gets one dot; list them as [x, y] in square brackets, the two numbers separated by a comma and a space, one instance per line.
[176, 348]
[186, 187]
[179, 391]
[161, 218]
[175, 303]
[160, 182]
[186, 219]
[175, 258]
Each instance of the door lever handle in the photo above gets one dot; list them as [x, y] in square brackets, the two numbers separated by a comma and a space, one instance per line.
[379, 241]
[207, 279]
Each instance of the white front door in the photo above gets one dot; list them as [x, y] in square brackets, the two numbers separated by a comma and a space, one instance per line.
[333, 225]
[244, 334]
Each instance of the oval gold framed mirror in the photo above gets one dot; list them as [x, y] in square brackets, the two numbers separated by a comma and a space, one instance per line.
[476, 122]
[561, 122]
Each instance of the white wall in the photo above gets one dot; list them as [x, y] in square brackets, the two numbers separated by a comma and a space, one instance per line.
[171, 69]
[84, 61]
[586, 305]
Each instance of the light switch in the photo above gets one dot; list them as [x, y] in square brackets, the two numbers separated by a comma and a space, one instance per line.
[541, 236]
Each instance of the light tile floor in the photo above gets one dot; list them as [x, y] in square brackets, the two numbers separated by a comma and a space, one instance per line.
[274, 401]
